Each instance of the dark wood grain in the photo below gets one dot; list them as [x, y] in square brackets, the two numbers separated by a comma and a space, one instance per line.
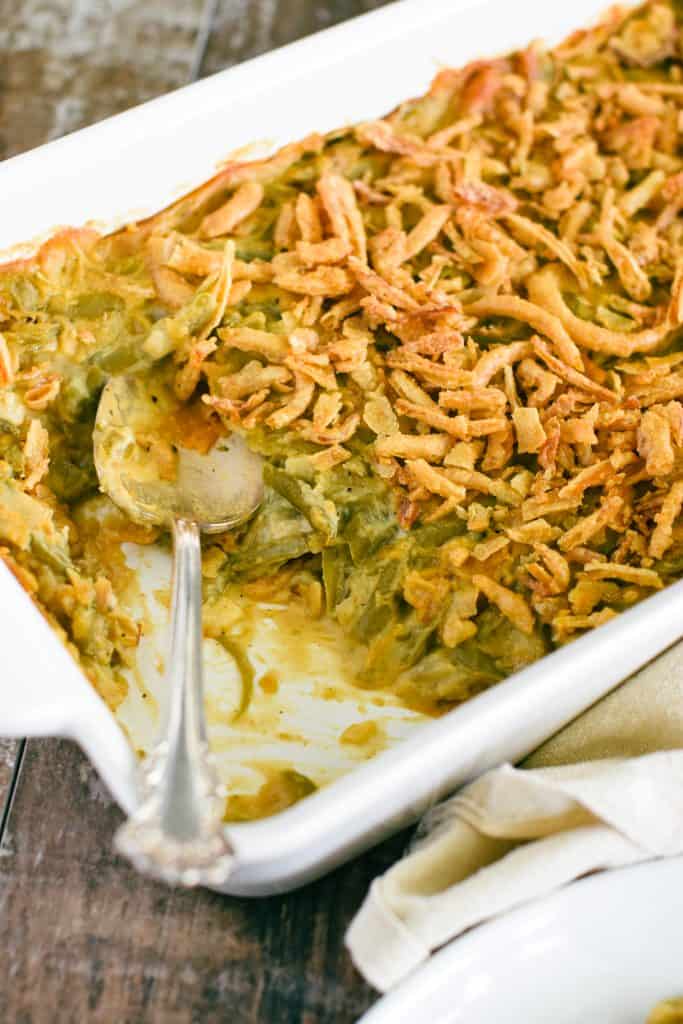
[68, 63]
[243, 28]
[8, 749]
[101, 944]
[83, 938]
[9, 752]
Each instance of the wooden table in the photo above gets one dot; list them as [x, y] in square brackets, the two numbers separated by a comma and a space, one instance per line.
[82, 937]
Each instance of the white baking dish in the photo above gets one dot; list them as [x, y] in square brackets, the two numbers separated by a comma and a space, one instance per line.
[131, 165]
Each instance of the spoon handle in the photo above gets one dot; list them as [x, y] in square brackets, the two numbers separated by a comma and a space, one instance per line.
[177, 832]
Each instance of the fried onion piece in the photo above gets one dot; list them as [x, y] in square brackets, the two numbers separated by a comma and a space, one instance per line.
[339, 200]
[627, 573]
[592, 476]
[544, 289]
[426, 230]
[239, 206]
[376, 285]
[434, 480]
[295, 406]
[539, 318]
[36, 454]
[496, 359]
[654, 443]
[531, 233]
[530, 433]
[6, 364]
[431, 447]
[326, 281]
[512, 605]
[587, 527]
[662, 538]
[572, 376]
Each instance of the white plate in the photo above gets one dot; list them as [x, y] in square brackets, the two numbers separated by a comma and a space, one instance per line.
[137, 161]
[604, 950]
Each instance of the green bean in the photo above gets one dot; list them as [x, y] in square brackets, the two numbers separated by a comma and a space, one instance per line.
[320, 512]
[246, 671]
[169, 332]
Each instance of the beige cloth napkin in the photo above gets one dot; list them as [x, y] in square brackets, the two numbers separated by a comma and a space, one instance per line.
[605, 792]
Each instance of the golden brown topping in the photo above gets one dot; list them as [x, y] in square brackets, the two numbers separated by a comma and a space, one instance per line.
[544, 288]
[241, 205]
[6, 364]
[512, 605]
[42, 389]
[36, 454]
[431, 447]
[296, 406]
[586, 528]
[339, 200]
[654, 443]
[662, 537]
[530, 433]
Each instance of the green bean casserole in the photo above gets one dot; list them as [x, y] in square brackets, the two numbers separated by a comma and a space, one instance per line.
[453, 334]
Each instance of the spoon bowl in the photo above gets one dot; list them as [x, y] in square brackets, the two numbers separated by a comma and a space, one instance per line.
[144, 467]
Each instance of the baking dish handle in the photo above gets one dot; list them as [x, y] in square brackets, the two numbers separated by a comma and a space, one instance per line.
[44, 693]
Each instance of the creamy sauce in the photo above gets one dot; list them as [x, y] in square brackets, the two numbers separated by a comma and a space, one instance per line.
[305, 718]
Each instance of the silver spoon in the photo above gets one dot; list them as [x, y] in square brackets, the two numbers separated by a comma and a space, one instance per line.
[177, 832]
